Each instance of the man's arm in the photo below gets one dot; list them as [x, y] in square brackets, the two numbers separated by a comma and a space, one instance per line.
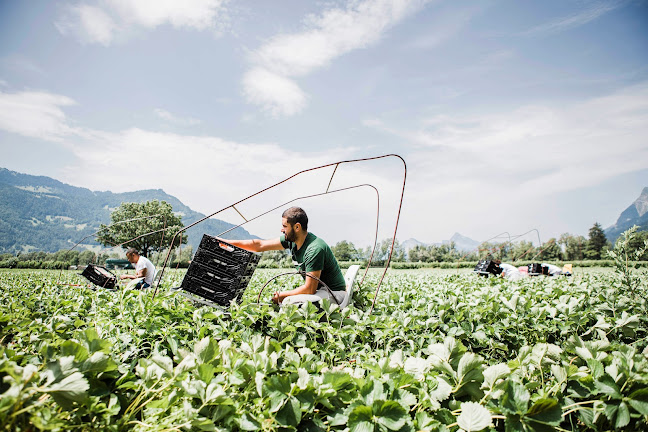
[257, 245]
[309, 287]
[139, 274]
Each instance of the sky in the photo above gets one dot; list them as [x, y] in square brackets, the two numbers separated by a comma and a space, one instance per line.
[509, 116]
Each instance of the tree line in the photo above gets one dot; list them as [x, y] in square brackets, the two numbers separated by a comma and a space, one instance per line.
[148, 227]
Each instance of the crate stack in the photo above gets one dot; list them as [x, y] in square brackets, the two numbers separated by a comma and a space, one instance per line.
[100, 276]
[219, 272]
[536, 269]
[487, 267]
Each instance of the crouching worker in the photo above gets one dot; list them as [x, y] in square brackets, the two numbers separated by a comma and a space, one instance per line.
[144, 270]
[310, 254]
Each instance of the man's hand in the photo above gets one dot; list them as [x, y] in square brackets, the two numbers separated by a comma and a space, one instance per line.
[278, 297]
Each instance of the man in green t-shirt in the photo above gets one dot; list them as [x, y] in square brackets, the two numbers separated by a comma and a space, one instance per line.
[310, 254]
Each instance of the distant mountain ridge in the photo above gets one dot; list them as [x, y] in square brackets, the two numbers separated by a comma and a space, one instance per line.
[41, 213]
[635, 214]
[462, 243]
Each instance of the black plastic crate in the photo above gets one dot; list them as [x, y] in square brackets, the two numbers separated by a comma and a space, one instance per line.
[216, 262]
[100, 276]
[488, 267]
[536, 269]
[220, 272]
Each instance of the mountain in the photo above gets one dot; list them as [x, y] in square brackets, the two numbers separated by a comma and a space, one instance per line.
[411, 244]
[635, 214]
[41, 213]
[463, 243]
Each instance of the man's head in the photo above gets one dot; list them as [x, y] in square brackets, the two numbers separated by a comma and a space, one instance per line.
[294, 223]
[132, 255]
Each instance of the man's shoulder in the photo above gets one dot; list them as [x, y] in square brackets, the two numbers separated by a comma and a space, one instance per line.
[316, 243]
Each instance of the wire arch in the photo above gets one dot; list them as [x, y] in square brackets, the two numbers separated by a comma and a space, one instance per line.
[334, 164]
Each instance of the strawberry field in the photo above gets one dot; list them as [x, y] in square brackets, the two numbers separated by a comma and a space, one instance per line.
[440, 352]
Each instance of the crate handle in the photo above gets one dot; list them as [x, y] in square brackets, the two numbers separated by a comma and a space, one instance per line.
[227, 247]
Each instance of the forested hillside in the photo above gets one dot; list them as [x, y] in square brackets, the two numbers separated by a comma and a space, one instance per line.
[40, 213]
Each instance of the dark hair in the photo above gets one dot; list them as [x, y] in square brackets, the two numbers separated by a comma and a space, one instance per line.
[131, 251]
[296, 215]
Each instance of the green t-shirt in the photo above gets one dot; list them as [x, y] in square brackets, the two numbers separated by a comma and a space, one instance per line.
[316, 255]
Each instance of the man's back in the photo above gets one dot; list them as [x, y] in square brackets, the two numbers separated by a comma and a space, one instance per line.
[144, 262]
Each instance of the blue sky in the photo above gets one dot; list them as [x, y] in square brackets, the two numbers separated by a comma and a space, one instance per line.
[510, 115]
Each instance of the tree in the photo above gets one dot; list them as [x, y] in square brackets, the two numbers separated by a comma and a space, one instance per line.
[637, 244]
[87, 257]
[551, 250]
[573, 246]
[345, 251]
[523, 250]
[597, 241]
[382, 252]
[147, 227]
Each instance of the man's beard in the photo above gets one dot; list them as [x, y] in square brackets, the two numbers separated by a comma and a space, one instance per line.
[291, 237]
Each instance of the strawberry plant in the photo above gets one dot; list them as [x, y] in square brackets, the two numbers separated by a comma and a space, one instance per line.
[443, 351]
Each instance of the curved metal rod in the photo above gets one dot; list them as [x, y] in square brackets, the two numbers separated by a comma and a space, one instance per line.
[320, 194]
[532, 247]
[549, 243]
[400, 206]
[299, 273]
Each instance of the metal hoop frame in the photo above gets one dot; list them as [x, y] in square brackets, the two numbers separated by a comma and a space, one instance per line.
[334, 164]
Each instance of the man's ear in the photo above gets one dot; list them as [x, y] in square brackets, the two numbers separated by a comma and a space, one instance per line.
[297, 226]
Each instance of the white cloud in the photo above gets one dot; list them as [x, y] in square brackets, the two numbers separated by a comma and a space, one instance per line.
[277, 94]
[327, 36]
[89, 23]
[22, 65]
[35, 114]
[445, 26]
[102, 21]
[576, 20]
[195, 14]
[205, 172]
[210, 173]
[506, 168]
[181, 121]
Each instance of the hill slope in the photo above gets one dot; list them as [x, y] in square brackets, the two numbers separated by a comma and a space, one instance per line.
[41, 213]
[635, 214]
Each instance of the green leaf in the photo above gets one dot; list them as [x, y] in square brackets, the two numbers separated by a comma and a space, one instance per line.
[360, 419]
[546, 411]
[494, 373]
[248, 423]
[639, 401]
[337, 380]
[73, 387]
[290, 413]
[205, 350]
[513, 423]
[164, 362]
[473, 417]
[619, 414]
[596, 367]
[204, 424]
[607, 386]
[390, 414]
[515, 399]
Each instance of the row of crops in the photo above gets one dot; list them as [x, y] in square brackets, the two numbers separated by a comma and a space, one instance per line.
[441, 351]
